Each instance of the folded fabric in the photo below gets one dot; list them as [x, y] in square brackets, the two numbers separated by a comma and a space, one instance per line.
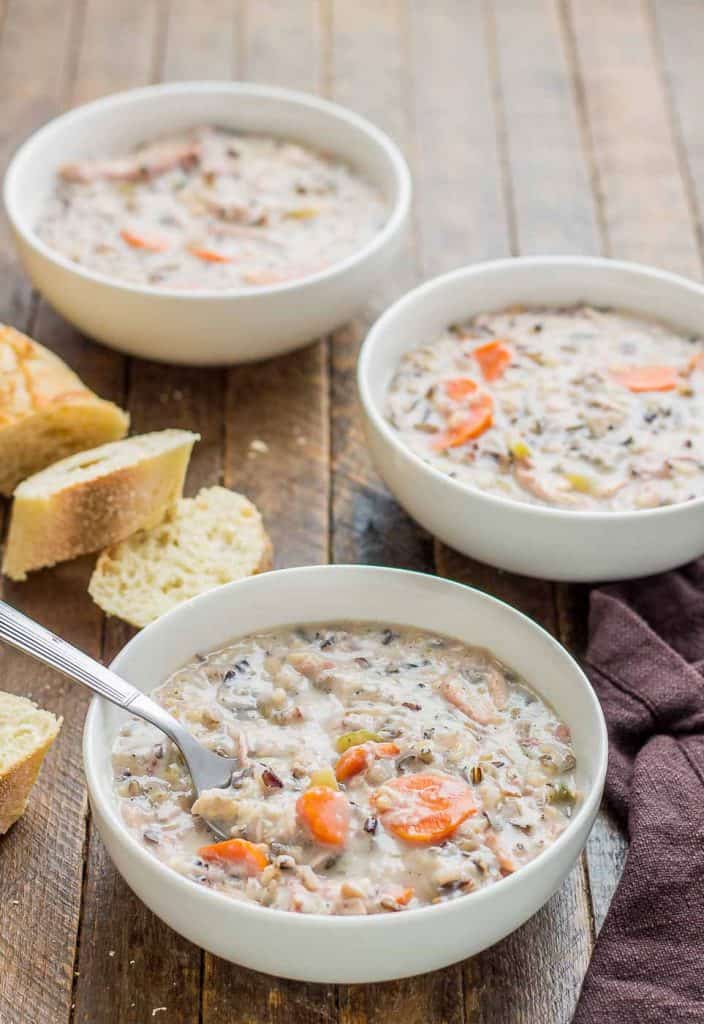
[646, 661]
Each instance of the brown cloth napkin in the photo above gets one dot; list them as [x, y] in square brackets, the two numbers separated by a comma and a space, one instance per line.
[646, 662]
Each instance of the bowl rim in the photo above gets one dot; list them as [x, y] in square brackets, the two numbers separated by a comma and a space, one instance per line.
[397, 214]
[375, 339]
[179, 616]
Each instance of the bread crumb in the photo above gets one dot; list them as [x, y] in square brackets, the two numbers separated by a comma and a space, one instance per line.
[111, 952]
[158, 1009]
[258, 446]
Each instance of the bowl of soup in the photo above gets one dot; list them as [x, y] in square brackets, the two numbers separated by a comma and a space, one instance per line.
[207, 222]
[419, 768]
[546, 415]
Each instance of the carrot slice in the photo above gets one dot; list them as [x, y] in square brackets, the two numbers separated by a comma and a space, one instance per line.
[493, 358]
[459, 387]
[352, 762]
[210, 255]
[386, 750]
[646, 378]
[326, 814]
[236, 851]
[405, 897]
[143, 242]
[424, 808]
[478, 419]
[357, 759]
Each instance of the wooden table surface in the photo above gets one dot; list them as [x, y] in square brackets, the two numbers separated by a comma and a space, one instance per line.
[532, 126]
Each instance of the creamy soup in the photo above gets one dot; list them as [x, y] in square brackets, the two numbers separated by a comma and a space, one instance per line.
[382, 768]
[211, 209]
[580, 408]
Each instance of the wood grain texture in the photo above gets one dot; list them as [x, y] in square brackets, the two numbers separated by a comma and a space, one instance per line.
[42, 859]
[32, 37]
[462, 212]
[284, 403]
[129, 963]
[120, 47]
[548, 172]
[369, 72]
[523, 978]
[43, 853]
[646, 212]
[678, 29]
[199, 44]
[532, 126]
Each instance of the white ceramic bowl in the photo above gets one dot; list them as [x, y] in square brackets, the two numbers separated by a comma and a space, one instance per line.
[347, 949]
[204, 328]
[550, 543]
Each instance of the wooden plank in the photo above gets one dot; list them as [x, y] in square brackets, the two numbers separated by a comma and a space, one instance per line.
[32, 38]
[456, 139]
[120, 47]
[678, 28]
[525, 71]
[283, 402]
[369, 72]
[129, 963]
[43, 852]
[554, 208]
[199, 40]
[631, 137]
[646, 210]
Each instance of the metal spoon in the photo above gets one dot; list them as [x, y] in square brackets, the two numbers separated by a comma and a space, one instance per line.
[208, 769]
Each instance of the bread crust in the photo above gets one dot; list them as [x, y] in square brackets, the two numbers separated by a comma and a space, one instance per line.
[46, 411]
[86, 516]
[17, 781]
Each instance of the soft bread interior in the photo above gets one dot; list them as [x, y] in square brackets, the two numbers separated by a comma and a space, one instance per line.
[214, 538]
[24, 728]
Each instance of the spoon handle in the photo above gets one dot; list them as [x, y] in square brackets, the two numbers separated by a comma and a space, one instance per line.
[16, 629]
[28, 636]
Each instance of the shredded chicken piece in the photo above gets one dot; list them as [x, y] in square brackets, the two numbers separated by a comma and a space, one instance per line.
[506, 862]
[147, 163]
[474, 705]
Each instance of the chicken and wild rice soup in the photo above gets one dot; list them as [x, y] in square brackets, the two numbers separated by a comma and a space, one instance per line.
[382, 768]
[211, 209]
[580, 408]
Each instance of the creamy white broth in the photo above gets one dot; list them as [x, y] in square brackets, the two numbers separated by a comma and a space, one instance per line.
[565, 425]
[383, 708]
[211, 209]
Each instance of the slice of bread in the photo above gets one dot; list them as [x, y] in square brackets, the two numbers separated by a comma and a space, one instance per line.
[95, 498]
[213, 538]
[26, 733]
[46, 412]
